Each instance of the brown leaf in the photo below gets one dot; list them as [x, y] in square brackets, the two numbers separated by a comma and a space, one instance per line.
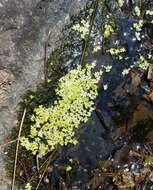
[119, 132]
[121, 156]
[142, 112]
[120, 91]
[97, 180]
[104, 163]
[150, 72]
[149, 97]
[127, 181]
[150, 136]
[136, 80]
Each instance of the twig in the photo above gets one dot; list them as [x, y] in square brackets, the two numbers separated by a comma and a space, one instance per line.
[5, 144]
[37, 164]
[38, 172]
[17, 148]
[101, 119]
[41, 167]
[109, 174]
[50, 159]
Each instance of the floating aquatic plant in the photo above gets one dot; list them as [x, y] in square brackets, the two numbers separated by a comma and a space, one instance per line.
[120, 3]
[117, 52]
[148, 160]
[143, 63]
[138, 36]
[126, 71]
[56, 124]
[97, 48]
[137, 11]
[82, 28]
[28, 186]
[149, 12]
[108, 30]
[107, 68]
[138, 27]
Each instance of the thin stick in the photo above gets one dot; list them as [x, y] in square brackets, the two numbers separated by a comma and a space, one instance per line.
[17, 148]
[101, 119]
[51, 158]
[37, 172]
[5, 144]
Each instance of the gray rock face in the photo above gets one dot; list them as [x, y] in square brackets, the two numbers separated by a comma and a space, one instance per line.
[24, 27]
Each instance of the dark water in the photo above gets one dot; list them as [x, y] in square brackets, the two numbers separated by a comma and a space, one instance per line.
[95, 137]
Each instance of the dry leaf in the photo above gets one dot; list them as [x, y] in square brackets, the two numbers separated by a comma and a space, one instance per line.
[149, 97]
[142, 112]
[120, 91]
[97, 180]
[150, 72]
[136, 80]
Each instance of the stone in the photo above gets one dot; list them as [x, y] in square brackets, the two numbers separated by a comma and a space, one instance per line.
[6, 80]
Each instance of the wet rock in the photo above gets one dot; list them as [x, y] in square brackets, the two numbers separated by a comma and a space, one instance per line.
[24, 27]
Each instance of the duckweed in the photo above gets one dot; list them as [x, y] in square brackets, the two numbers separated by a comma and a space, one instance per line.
[56, 124]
